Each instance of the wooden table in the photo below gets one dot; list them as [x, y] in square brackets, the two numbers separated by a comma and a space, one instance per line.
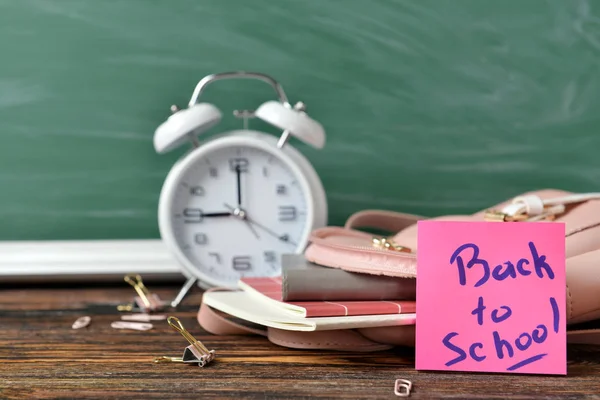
[42, 357]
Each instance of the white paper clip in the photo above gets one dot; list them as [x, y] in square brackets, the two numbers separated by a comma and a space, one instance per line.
[402, 387]
[138, 326]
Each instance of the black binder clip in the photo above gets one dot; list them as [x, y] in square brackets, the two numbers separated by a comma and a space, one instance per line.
[195, 353]
[145, 301]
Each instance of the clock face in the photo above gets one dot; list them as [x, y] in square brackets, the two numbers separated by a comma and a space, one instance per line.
[234, 210]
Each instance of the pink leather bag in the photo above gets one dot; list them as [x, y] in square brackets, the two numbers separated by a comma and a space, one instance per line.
[350, 249]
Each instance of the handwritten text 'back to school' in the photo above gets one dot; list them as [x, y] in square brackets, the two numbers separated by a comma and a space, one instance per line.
[467, 260]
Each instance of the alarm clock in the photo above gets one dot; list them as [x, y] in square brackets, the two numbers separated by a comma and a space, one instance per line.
[238, 200]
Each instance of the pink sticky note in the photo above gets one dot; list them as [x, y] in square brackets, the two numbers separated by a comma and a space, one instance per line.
[491, 297]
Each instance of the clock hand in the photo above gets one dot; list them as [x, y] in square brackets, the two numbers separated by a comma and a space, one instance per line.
[238, 212]
[241, 214]
[252, 228]
[217, 214]
[239, 184]
[283, 238]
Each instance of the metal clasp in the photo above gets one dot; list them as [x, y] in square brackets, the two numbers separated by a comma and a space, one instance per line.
[195, 353]
[388, 244]
[499, 216]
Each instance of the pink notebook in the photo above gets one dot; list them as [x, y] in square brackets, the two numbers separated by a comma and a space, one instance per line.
[269, 290]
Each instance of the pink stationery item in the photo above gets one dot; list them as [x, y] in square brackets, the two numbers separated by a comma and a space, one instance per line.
[258, 309]
[141, 317]
[269, 289]
[136, 326]
[82, 322]
[507, 282]
[149, 303]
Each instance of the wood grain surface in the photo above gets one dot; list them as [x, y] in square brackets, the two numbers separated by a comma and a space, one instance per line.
[42, 357]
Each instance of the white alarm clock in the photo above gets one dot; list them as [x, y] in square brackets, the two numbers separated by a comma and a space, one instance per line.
[232, 205]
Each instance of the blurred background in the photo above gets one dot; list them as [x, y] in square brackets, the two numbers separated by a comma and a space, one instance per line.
[430, 107]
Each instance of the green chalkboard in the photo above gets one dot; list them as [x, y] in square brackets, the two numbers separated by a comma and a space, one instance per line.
[431, 107]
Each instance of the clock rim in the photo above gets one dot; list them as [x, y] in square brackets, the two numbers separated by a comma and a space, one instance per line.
[316, 213]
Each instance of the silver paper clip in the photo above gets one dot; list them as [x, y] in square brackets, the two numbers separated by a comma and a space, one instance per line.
[144, 301]
[195, 353]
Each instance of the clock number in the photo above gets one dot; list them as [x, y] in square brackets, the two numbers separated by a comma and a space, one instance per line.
[197, 191]
[241, 163]
[241, 263]
[281, 189]
[212, 172]
[200, 238]
[287, 213]
[270, 256]
[216, 256]
[192, 215]
[284, 238]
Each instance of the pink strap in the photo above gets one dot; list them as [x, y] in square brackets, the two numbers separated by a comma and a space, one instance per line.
[347, 339]
[588, 336]
[390, 221]
[403, 335]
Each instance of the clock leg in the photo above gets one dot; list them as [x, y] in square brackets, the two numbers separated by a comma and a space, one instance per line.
[183, 292]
